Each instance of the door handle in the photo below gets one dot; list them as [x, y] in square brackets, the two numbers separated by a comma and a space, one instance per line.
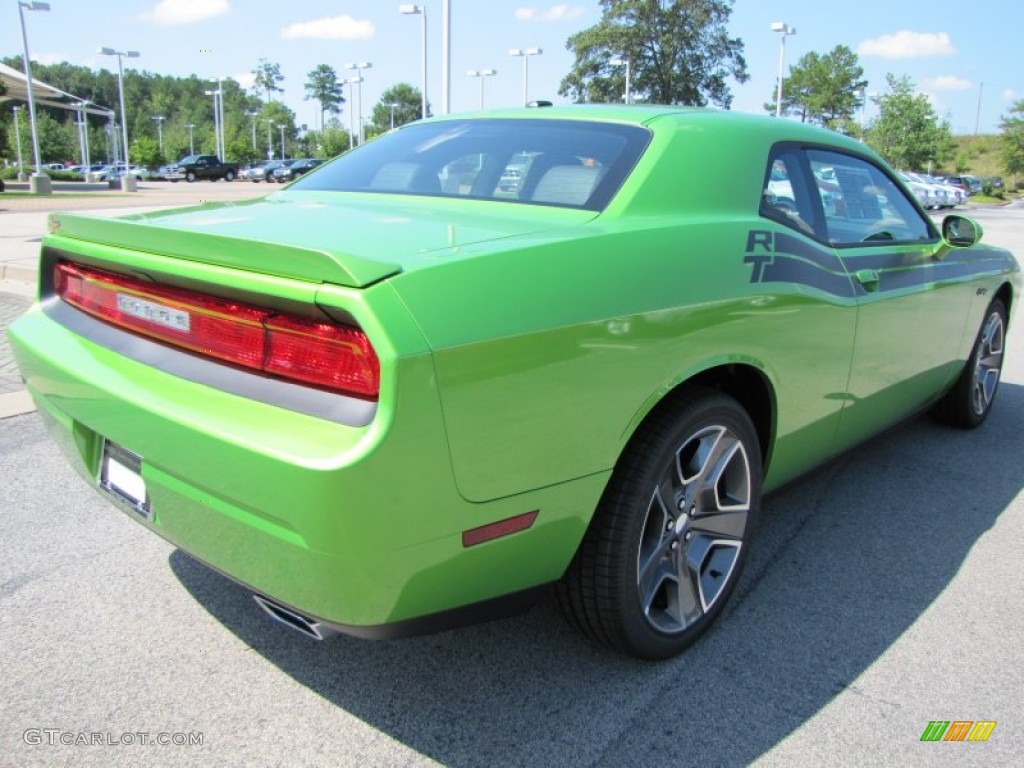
[869, 278]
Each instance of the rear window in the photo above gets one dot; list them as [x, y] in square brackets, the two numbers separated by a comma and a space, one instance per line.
[568, 163]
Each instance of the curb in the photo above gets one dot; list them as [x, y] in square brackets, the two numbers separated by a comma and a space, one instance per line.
[18, 273]
[16, 404]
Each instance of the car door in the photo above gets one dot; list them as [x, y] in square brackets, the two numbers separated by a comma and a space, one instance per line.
[912, 309]
[809, 312]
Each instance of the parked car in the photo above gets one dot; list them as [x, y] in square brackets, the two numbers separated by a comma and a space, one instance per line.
[271, 175]
[926, 195]
[201, 167]
[937, 194]
[385, 405]
[296, 168]
[264, 172]
[510, 179]
[102, 172]
[974, 182]
[244, 173]
[960, 183]
[951, 194]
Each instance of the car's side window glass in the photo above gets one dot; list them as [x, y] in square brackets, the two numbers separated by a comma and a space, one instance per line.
[784, 196]
[862, 204]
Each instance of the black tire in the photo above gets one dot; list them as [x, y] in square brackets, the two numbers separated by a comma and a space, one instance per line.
[229, 176]
[669, 538]
[969, 402]
[190, 177]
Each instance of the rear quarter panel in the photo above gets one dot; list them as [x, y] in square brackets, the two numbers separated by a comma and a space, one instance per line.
[550, 353]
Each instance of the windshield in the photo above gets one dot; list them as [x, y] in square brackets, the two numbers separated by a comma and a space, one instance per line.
[569, 163]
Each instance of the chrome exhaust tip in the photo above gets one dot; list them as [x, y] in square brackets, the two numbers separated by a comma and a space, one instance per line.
[290, 618]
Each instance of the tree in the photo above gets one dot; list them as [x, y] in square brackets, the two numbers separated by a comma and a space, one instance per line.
[323, 86]
[1012, 126]
[267, 76]
[907, 132]
[145, 151]
[277, 112]
[57, 143]
[679, 52]
[823, 89]
[409, 107]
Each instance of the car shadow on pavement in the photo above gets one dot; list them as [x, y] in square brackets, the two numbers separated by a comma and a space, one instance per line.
[845, 562]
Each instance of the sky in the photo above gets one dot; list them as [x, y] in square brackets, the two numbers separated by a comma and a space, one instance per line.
[964, 56]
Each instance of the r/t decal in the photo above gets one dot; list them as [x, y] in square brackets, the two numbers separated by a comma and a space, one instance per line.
[764, 240]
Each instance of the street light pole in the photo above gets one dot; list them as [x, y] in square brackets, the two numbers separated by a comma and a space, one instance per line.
[220, 118]
[392, 105]
[40, 182]
[17, 140]
[252, 113]
[270, 140]
[618, 62]
[421, 10]
[85, 135]
[482, 73]
[359, 67]
[526, 53]
[784, 31]
[352, 81]
[283, 153]
[191, 146]
[216, 123]
[79, 125]
[446, 56]
[159, 130]
[128, 182]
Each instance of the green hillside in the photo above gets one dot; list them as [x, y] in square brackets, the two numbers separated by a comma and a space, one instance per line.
[977, 155]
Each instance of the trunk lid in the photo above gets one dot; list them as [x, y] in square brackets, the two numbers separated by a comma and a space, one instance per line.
[349, 239]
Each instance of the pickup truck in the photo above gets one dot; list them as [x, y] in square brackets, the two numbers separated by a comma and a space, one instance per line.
[201, 167]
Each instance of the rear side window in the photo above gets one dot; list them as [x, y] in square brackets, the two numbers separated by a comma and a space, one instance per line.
[862, 204]
[567, 163]
[839, 199]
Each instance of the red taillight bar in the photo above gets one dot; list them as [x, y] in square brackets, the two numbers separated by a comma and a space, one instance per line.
[335, 357]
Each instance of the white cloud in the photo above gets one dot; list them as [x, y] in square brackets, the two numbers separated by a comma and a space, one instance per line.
[937, 104]
[947, 83]
[331, 28]
[560, 12]
[171, 13]
[245, 79]
[1009, 94]
[908, 45]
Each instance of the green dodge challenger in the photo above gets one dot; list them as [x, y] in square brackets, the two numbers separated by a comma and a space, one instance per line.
[489, 354]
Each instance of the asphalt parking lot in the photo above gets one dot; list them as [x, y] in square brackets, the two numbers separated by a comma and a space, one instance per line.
[884, 592]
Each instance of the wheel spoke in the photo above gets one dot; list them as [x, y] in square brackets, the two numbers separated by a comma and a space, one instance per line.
[731, 524]
[686, 607]
[653, 580]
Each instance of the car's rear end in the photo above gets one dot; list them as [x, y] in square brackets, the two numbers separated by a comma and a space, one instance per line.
[249, 379]
[272, 410]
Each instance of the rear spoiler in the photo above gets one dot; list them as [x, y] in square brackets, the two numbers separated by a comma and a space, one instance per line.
[139, 234]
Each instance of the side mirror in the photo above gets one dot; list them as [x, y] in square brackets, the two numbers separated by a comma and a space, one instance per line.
[960, 231]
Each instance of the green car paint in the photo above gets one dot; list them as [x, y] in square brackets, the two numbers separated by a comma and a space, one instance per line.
[521, 347]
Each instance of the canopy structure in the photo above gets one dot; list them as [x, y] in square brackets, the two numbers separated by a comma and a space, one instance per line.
[16, 85]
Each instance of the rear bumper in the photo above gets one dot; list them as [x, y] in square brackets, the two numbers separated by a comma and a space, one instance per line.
[359, 527]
